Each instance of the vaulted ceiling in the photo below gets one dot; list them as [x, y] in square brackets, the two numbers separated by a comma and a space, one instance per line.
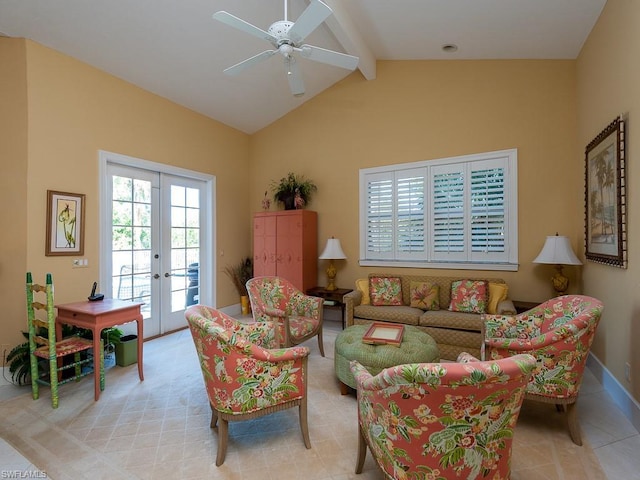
[175, 49]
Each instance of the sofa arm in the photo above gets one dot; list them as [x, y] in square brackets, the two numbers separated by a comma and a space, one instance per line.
[351, 300]
[506, 307]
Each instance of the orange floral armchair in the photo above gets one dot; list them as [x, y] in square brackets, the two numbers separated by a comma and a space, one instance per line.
[244, 377]
[298, 316]
[559, 333]
[441, 420]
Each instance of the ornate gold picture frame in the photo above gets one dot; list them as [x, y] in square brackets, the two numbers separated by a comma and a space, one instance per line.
[605, 197]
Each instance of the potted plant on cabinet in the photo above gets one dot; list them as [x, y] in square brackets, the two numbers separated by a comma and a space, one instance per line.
[239, 274]
[293, 190]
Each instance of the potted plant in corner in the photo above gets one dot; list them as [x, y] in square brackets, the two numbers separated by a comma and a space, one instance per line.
[293, 190]
[239, 274]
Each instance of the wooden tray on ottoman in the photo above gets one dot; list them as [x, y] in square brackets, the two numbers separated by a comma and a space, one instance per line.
[380, 333]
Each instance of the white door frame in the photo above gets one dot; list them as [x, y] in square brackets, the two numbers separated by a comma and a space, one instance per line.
[207, 278]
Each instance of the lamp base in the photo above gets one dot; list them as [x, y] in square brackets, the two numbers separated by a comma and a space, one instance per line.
[331, 277]
[559, 281]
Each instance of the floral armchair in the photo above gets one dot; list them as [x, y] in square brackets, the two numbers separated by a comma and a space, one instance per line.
[244, 377]
[298, 316]
[559, 334]
[441, 420]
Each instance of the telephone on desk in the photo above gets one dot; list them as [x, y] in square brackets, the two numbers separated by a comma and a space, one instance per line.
[94, 297]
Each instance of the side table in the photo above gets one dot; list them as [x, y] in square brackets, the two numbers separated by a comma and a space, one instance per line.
[333, 298]
[522, 306]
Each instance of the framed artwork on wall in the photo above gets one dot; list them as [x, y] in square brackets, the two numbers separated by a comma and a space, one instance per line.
[65, 224]
[605, 197]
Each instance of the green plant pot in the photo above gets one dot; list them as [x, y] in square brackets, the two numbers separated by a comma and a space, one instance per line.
[127, 350]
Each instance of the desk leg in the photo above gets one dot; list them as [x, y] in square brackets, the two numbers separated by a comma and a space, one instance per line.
[98, 372]
[139, 321]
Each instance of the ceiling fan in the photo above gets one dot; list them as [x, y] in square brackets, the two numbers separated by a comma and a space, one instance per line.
[286, 38]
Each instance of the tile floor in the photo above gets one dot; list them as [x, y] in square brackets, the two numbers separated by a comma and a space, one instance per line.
[159, 434]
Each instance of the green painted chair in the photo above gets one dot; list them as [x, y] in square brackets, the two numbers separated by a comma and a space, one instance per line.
[47, 354]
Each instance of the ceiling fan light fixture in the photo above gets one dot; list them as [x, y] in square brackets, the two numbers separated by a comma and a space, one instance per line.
[449, 48]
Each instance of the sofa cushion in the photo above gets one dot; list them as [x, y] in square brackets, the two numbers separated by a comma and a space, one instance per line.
[469, 296]
[425, 295]
[362, 284]
[498, 292]
[451, 320]
[395, 314]
[385, 291]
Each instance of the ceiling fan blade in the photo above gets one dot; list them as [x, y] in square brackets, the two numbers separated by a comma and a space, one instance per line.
[309, 20]
[293, 75]
[249, 62]
[330, 57]
[243, 26]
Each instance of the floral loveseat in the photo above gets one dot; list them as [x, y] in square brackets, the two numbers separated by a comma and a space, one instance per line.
[455, 332]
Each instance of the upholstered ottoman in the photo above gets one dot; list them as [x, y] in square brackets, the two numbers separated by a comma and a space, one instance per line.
[416, 347]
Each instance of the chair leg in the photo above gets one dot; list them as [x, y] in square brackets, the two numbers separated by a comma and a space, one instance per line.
[101, 364]
[572, 421]
[304, 426]
[362, 451]
[223, 432]
[53, 381]
[214, 417]
[34, 377]
[320, 343]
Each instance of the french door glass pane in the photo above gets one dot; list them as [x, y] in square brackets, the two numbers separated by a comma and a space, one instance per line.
[185, 246]
[131, 240]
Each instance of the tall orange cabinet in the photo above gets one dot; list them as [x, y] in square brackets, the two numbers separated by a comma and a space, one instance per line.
[285, 244]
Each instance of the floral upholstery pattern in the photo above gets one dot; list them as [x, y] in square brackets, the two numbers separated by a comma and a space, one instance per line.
[385, 290]
[559, 334]
[469, 296]
[425, 295]
[441, 421]
[242, 375]
[298, 316]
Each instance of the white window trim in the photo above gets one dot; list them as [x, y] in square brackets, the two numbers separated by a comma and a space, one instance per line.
[511, 221]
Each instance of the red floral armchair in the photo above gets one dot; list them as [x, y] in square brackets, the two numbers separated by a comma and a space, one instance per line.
[559, 333]
[245, 378]
[441, 420]
[298, 316]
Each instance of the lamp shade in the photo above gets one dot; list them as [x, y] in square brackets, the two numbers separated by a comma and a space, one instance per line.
[333, 250]
[557, 250]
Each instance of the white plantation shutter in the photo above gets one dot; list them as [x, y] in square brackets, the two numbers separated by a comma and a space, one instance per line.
[379, 217]
[488, 212]
[448, 206]
[410, 214]
[450, 213]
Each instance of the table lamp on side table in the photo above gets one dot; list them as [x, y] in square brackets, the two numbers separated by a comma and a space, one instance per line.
[332, 251]
[557, 251]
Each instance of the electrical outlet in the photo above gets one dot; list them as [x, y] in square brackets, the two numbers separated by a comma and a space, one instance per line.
[627, 371]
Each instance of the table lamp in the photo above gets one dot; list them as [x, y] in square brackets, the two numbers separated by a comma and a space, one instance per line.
[557, 251]
[332, 251]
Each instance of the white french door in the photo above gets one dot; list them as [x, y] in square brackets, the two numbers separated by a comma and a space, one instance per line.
[156, 249]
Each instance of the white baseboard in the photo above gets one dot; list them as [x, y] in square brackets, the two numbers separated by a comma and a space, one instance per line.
[5, 373]
[621, 396]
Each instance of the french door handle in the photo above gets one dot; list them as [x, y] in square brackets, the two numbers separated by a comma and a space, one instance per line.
[156, 276]
[167, 275]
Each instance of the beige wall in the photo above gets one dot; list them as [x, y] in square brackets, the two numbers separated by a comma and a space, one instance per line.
[609, 85]
[428, 110]
[13, 188]
[75, 110]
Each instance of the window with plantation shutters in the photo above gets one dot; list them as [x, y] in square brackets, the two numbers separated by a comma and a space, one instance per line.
[448, 213]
